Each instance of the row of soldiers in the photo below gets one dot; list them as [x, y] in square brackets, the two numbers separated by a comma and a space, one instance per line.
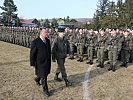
[18, 35]
[112, 44]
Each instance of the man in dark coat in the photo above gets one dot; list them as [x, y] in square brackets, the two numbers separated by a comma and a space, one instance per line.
[40, 59]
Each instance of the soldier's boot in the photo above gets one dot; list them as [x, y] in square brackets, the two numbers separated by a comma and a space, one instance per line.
[37, 80]
[71, 56]
[45, 88]
[22, 43]
[113, 68]
[124, 64]
[79, 59]
[108, 62]
[102, 66]
[110, 68]
[56, 78]
[99, 64]
[88, 62]
[91, 62]
[68, 83]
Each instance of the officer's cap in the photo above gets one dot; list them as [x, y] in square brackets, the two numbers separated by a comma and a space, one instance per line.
[61, 29]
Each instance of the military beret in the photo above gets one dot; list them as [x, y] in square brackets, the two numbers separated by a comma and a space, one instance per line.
[61, 29]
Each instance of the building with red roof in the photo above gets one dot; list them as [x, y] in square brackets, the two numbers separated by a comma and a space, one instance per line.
[26, 23]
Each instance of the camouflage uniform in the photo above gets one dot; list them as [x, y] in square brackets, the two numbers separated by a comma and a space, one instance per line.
[71, 41]
[60, 47]
[80, 43]
[126, 47]
[90, 44]
[114, 47]
[101, 48]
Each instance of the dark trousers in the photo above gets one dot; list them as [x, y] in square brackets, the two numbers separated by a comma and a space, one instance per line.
[61, 68]
[125, 56]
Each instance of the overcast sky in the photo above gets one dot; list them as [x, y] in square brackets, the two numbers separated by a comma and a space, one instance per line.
[55, 8]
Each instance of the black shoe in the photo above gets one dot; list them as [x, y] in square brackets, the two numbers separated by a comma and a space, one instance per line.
[46, 93]
[102, 66]
[37, 80]
[72, 58]
[91, 62]
[88, 62]
[78, 59]
[124, 65]
[110, 69]
[56, 78]
[113, 69]
[81, 60]
[98, 65]
[68, 83]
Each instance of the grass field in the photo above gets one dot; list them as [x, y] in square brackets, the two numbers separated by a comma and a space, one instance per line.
[16, 79]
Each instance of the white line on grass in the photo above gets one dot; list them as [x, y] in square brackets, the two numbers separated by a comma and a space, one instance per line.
[86, 93]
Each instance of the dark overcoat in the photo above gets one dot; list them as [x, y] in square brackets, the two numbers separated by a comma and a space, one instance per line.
[40, 57]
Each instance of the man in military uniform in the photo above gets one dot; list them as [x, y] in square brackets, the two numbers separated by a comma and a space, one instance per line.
[126, 47]
[90, 44]
[101, 48]
[60, 47]
[114, 47]
[80, 43]
[71, 41]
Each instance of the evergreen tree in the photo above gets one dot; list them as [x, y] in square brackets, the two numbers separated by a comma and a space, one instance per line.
[54, 23]
[36, 22]
[109, 14]
[46, 23]
[120, 13]
[110, 19]
[129, 13]
[101, 12]
[9, 11]
[96, 24]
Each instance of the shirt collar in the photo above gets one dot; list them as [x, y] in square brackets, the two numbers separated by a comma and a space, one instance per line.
[42, 38]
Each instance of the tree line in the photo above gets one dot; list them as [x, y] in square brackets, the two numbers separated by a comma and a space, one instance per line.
[113, 15]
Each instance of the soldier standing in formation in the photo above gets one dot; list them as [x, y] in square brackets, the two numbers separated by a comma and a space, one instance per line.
[71, 42]
[126, 48]
[80, 42]
[114, 47]
[101, 48]
[90, 44]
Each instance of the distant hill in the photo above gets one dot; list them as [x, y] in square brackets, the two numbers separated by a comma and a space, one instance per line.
[84, 20]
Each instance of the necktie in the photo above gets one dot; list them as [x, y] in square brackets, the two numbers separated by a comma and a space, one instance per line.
[44, 40]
